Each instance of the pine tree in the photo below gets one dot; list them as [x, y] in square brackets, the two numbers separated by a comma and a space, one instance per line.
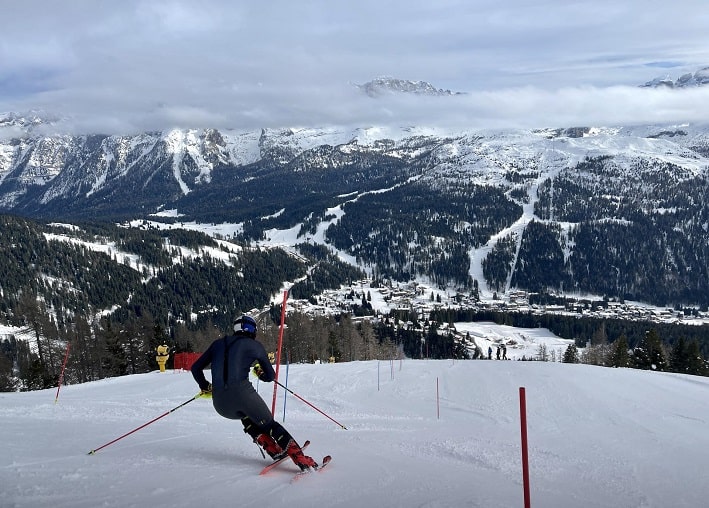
[649, 355]
[7, 378]
[695, 362]
[619, 355]
[571, 355]
[679, 356]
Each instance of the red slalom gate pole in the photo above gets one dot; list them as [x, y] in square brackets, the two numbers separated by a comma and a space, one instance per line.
[61, 375]
[145, 424]
[525, 457]
[278, 353]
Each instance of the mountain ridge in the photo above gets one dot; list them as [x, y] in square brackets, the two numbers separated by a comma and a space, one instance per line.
[384, 85]
[477, 196]
[687, 80]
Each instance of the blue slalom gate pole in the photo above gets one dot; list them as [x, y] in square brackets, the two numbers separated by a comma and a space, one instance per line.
[285, 393]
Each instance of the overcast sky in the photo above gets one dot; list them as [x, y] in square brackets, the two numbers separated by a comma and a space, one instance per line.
[126, 66]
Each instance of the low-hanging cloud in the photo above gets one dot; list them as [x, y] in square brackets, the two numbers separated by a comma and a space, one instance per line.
[137, 66]
[527, 107]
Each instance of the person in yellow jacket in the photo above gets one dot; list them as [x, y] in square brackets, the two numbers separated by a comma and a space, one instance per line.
[163, 353]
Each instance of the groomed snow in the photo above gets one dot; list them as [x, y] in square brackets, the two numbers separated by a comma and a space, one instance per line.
[598, 437]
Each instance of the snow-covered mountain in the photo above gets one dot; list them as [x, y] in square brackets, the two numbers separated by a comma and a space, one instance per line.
[616, 211]
[37, 170]
[388, 85]
[690, 79]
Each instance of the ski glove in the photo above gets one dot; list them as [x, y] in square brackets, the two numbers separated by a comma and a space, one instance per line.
[206, 394]
[257, 370]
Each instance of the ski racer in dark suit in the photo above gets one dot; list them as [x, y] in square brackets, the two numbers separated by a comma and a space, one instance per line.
[235, 398]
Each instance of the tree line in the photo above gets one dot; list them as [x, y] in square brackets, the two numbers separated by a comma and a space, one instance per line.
[113, 309]
[609, 342]
[651, 353]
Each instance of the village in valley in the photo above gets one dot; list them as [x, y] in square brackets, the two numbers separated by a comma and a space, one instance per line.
[420, 300]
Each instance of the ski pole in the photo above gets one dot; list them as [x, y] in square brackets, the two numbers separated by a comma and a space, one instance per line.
[308, 403]
[145, 424]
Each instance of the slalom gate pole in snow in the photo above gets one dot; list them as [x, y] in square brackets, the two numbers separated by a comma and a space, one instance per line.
[285, 395]
[145, 424]
[308, 403]
[61, 375]
[278, 352]
[525, 457]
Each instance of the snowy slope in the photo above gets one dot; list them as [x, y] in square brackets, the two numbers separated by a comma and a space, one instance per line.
[598, 437]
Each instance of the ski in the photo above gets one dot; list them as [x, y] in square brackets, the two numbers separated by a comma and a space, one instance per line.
[278, 461]
[325, 461]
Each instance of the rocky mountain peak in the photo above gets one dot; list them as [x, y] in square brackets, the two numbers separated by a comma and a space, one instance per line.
[388, 85]
[688, 80]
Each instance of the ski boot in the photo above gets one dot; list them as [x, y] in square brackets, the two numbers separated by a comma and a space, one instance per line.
[269, 444]
[301, 460]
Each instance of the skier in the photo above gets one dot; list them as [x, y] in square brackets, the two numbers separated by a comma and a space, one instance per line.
[233, 395]
[489, 352]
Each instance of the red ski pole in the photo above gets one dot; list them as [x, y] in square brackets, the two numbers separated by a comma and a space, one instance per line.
[308, 403]
[145, 424]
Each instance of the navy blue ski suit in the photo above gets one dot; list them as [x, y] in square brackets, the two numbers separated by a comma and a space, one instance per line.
[233, 395]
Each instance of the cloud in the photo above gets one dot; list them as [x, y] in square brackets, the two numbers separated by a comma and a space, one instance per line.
[131, 65]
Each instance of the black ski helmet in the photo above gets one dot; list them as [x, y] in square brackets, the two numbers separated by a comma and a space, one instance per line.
[246, 325]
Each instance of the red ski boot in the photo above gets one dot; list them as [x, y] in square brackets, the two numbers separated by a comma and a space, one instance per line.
[301, 460]
[269, 444]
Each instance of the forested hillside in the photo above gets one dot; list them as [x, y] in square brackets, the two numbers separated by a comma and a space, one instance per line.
[616, 212]
[115, 292]
[614, 230]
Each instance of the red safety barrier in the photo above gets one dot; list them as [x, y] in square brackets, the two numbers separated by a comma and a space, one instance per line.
[184, 361]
